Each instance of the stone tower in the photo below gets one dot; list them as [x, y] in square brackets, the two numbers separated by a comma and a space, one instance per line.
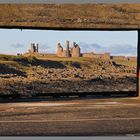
[75, 50]
[37, 47]
[59, 50]
[34, 48]
[69, 52]
[67, 49]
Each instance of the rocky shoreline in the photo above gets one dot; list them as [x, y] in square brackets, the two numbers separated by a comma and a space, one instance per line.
[43, 83]
[57, 77]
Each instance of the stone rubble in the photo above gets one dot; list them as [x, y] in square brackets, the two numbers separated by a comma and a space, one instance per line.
[104, 76]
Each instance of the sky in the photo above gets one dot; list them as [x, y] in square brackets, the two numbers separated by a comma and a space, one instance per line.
[15, 41]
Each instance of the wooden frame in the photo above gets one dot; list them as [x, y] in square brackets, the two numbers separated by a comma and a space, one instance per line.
[73, 16]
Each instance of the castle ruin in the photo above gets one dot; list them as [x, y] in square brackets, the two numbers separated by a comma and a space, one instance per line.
[94, 55]
[69, 52]
[34, 48]
[75, 51]
[33, 51]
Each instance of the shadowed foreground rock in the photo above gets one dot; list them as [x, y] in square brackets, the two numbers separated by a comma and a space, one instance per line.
[85, 75]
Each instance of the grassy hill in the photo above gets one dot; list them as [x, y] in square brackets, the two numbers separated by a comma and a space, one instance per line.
[22, 63]
[42, 75]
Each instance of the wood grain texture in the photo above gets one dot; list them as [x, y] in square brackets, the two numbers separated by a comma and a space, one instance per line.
[86, 16]
[71, 16]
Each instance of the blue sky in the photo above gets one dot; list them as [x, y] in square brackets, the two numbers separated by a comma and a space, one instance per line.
[15, 41]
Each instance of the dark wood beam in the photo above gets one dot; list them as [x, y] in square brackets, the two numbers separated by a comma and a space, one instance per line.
[73, 16]
[70, 16]
[138, 65]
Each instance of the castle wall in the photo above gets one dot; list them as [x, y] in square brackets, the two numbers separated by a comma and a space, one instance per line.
[37, 48]
[131, 58]
[67, 49]
[93, 55]
[124, 58]
[69, 52]
[118, 57]
[59, 50]
[64, 54]
[75, 52]
[106, 56]
[34, 48]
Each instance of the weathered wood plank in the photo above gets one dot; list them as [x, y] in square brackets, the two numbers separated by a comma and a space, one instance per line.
[96, 16]
[71, 16]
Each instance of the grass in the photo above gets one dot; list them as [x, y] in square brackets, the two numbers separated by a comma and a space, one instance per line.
[127, 63]
[72, 62]
[16, 61]
[52, 61]
[4, 57]
[55, 58]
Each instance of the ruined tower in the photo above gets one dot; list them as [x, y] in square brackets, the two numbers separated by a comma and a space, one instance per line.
[37, 47]
[59, 50]
[75, 50]
[34, 48]
[69, 52]
[67, 49]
